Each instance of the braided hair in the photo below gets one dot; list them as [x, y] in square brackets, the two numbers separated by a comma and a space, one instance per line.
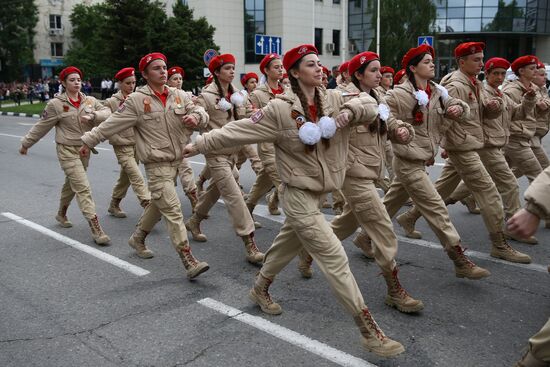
[380, 125]
[230, 90]
[410, 75]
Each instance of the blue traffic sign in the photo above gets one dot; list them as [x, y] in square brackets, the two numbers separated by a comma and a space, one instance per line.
[426, 40]
[209, 55]
[265, 44]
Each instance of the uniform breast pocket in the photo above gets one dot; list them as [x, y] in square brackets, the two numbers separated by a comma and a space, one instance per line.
[180, 112]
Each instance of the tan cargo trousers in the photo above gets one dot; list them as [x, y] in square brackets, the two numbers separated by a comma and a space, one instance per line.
[364, 208]
[129, 174]
[76, 180]
[187, 178]
[306, 227]
[540, 343]
[522, 159]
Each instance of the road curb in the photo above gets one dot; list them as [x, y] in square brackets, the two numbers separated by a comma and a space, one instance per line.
[17, 114]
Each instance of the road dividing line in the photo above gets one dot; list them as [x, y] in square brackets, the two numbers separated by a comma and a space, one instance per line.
[98, 148]
[262, 211]
[199, 163]
[11, 136]
[136, 270]
[292, 337]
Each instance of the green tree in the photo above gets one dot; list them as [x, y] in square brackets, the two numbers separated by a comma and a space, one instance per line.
[17, 21]
[504, 17]
[401, 22]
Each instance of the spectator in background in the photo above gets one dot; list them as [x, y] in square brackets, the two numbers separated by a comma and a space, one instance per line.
[333, 76]
[104, 88]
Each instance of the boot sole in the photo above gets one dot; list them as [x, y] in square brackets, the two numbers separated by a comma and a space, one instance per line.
[145, 256]
[413, 236]
[198, 272]
[104, 242]
[253, 298]
[64, 224]
[519, 261]
[198, 239]
[278, 212]
[306, 273]
[418, 308]
[384, 352]
[117, 215]
[521, 240]
[254, 261]
[141, 255]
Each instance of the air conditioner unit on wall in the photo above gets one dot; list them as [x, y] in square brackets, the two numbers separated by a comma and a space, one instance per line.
[330, 47]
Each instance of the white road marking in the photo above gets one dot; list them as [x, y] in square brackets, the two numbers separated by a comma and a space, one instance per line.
[26, 123]
[199, 163]
[136, 270]
[262, 211]
[290, 336]
[98, 148]
[11, 136]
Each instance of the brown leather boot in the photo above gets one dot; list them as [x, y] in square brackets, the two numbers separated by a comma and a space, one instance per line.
[144, 203]
[397, 296]
[61, 217]
[193, 225]
[304, 263]
[529, 360]
[259, 294]
[193, 199]
[464, 267]
[251, 210]
[363, 242]
[273, 204]
[114, 208]
[374, 339]
[253, 254]
[407, 222]
[193, 266]
[531, 240]
[470, 203]
[137, 242]
[97, 232]
[502, 250]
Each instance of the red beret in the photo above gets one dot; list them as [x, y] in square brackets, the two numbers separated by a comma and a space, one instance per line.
[360, 59]
[387, 69]
[497, 62]
[541, 65]
[147, 59]
[343, 67]
[69, 70]
[293, 55]
[326, 71]
[219, 60]
[209, 79]
[285, 76]
[266, 60]
[468, 48]
[246, 77]
[414, 52]
[524, 61]
[125, 73]
[176, 70]
[397, 77]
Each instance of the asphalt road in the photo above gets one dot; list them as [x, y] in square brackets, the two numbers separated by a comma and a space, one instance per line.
[62, 306]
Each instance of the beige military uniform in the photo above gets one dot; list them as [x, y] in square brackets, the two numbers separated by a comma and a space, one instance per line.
[62, 115]
[365, 165]
[388, 153]
[268, 177]
[496, 133]
[305, 176]
[124, 145]
[410, 160]
[221, 164]
[518, 151]
[160, 136]
[543, 125]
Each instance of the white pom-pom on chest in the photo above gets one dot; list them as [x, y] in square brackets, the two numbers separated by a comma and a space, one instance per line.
[444, 92]
[224, 105]
[327, 126]
[383, 112]
[237, 99]
[422, 97]
[309, 133]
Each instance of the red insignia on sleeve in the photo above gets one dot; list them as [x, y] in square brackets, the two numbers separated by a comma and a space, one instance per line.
[257, 116]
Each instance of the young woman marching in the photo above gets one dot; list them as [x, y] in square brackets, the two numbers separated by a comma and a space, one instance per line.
[124, 145]
[428, 107]
[365, 166]
[163, 120]
[215, 100]
[311, 159]
[72, 114]
[250, 82]
[185, 171]
[543, 117]
[272, 69]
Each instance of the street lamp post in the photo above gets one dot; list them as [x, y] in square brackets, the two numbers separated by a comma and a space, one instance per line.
[378, 27]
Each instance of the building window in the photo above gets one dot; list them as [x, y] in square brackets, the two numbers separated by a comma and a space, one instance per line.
[336, 41]
[336, 1]
[57, 49]
[319, 40]
[55, 21]
[254, 23]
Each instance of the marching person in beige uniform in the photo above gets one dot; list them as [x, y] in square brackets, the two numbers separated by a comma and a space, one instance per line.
[124, 145]
[71, 113]
[365, 164]
[525, 223]
[250, 82]
[383, 88]
[518, 151]
[268, 178]
[542, 116]
[344, 78]
[216, 101]
[496, 132]
[185, 171]
[163, 119]
[461, 142]
[431, 111]
[311, 159]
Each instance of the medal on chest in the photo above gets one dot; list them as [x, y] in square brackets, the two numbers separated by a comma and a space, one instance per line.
[146, 104]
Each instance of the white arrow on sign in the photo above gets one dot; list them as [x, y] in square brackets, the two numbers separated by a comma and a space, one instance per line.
[278, 46]
[261, 43]
[270, 41]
